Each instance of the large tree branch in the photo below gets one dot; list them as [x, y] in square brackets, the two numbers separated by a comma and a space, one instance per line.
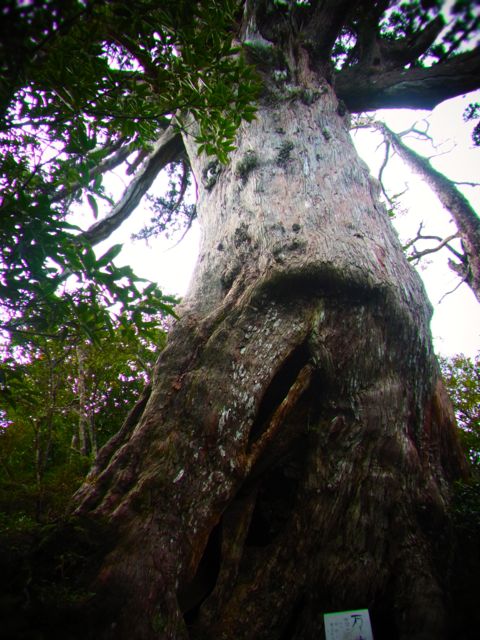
[465, 218]
[168, 148]
[319, 23]
[410, 49]
[367, 48]
[324, 24]
[367, 89]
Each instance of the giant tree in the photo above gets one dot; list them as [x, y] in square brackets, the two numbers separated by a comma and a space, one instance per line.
[295, 452]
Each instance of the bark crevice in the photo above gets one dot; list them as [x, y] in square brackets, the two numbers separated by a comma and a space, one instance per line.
[193, 594]
[276, 392]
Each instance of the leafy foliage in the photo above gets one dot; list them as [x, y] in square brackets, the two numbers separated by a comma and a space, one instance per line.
[408, 18]
[172, 211]
[464, 28]
[400, 23]
[472, 112]
[83, 85]
[41, 408]
[462, 378]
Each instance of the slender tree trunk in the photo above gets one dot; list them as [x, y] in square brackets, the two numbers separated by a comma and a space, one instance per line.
[92, 435]
[38, 462]
[83, 421]
[44, 430]
[295, 452]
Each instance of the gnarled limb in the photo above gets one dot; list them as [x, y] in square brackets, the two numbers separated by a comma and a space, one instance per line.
[167, 149]
[365, 89]
[416, 254]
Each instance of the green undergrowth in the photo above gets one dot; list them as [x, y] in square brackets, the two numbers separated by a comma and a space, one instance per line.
[465, 568]
[47, 559]
[46, 572]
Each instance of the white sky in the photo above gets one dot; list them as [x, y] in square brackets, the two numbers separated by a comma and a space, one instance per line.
[456, 321]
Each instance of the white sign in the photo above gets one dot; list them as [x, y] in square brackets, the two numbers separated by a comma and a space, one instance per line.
[348, 625]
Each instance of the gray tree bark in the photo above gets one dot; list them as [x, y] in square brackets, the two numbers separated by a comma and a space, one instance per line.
[295, 452]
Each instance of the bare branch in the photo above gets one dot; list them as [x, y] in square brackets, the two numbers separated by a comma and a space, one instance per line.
[442, 153]
[382, 169]
[184, 182]
[187, 229]
[467, 184]
[420, 134]
[419, 235]
[416, 255]
[465, 218]
[452, 290]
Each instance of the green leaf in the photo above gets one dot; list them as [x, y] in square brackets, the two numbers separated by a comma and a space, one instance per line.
[93, 205]
[110, 255]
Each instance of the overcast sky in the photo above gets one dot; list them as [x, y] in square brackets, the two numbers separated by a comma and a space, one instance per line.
[456, 321]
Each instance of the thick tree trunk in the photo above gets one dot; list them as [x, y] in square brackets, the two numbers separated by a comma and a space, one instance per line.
[295, 452]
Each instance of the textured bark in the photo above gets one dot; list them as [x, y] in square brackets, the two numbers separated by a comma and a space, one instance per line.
[295, 452]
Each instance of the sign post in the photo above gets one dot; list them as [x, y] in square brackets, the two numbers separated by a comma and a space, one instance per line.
[348, 625]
